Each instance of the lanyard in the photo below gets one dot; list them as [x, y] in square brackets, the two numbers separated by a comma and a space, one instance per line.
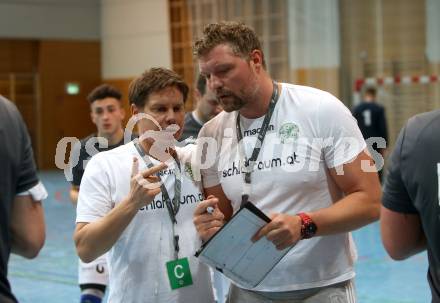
[172, 205]
[248, 166]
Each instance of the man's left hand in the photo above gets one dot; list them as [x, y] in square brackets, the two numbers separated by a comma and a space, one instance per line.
[283, 231]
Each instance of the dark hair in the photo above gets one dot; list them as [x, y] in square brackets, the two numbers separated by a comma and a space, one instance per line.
[153, 80]
[370, 91]
[104, 91]
[201, 84]
[242, 39]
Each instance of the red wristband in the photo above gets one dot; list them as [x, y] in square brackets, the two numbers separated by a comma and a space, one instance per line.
[308, 227]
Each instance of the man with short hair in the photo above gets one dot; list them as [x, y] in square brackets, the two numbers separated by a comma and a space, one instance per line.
[22, 227]
[297, 153]
[207, 107]
[411, 201]
[107, 113]
[139, 209]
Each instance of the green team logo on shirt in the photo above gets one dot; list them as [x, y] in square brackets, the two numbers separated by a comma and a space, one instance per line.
[188, 171]
[288, 133]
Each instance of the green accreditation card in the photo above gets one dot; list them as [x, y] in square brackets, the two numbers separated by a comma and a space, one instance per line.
[179, 273]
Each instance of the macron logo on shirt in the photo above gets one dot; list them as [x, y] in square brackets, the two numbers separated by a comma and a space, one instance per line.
[254, 131]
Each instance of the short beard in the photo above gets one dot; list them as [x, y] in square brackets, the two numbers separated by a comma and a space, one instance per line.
[235, 105]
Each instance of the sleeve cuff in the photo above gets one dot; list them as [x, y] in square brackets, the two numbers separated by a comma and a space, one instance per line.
[38, 192]
[396, 205]
[86, 218]
[351, 155]
[210, 181]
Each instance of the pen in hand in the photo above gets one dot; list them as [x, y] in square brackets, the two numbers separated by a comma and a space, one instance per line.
[210, 210]
[208, 218]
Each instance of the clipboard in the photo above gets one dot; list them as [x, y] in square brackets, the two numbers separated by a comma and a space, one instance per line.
[232, 252]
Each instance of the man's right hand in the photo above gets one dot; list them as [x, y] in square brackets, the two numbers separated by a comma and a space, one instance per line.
[207, 224]
[145, 185]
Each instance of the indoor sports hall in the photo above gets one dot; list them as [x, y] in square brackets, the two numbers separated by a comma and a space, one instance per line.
[53, 53]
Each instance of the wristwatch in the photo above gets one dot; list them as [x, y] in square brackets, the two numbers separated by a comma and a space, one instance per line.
[308, 227]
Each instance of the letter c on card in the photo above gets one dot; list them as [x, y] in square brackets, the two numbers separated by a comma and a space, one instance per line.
[177, 274]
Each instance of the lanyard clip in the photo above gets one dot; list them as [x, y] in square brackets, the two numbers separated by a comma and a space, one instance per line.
[248, 167]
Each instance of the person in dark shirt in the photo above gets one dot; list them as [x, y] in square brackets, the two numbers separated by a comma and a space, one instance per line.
[372, 123]
[22, 226]
[107, 113]
[207, 107]
[410, 215]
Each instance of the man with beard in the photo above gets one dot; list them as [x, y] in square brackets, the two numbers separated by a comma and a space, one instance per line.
[314, 201]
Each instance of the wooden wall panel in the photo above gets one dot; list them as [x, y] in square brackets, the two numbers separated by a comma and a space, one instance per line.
[63, 115]
[386, 38]
[18, 56]
[19, 81]
[181, 45]
[322, 78]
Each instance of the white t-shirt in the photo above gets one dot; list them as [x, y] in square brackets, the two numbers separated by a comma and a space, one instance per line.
[137, 261]
[309, 132]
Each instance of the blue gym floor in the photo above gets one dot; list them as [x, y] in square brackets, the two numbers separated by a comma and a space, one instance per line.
[52, 276]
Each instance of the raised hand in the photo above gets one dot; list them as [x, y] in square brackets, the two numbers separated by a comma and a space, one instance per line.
[145, 185]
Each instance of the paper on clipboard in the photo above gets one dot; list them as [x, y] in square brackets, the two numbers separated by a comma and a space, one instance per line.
[232, 252]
